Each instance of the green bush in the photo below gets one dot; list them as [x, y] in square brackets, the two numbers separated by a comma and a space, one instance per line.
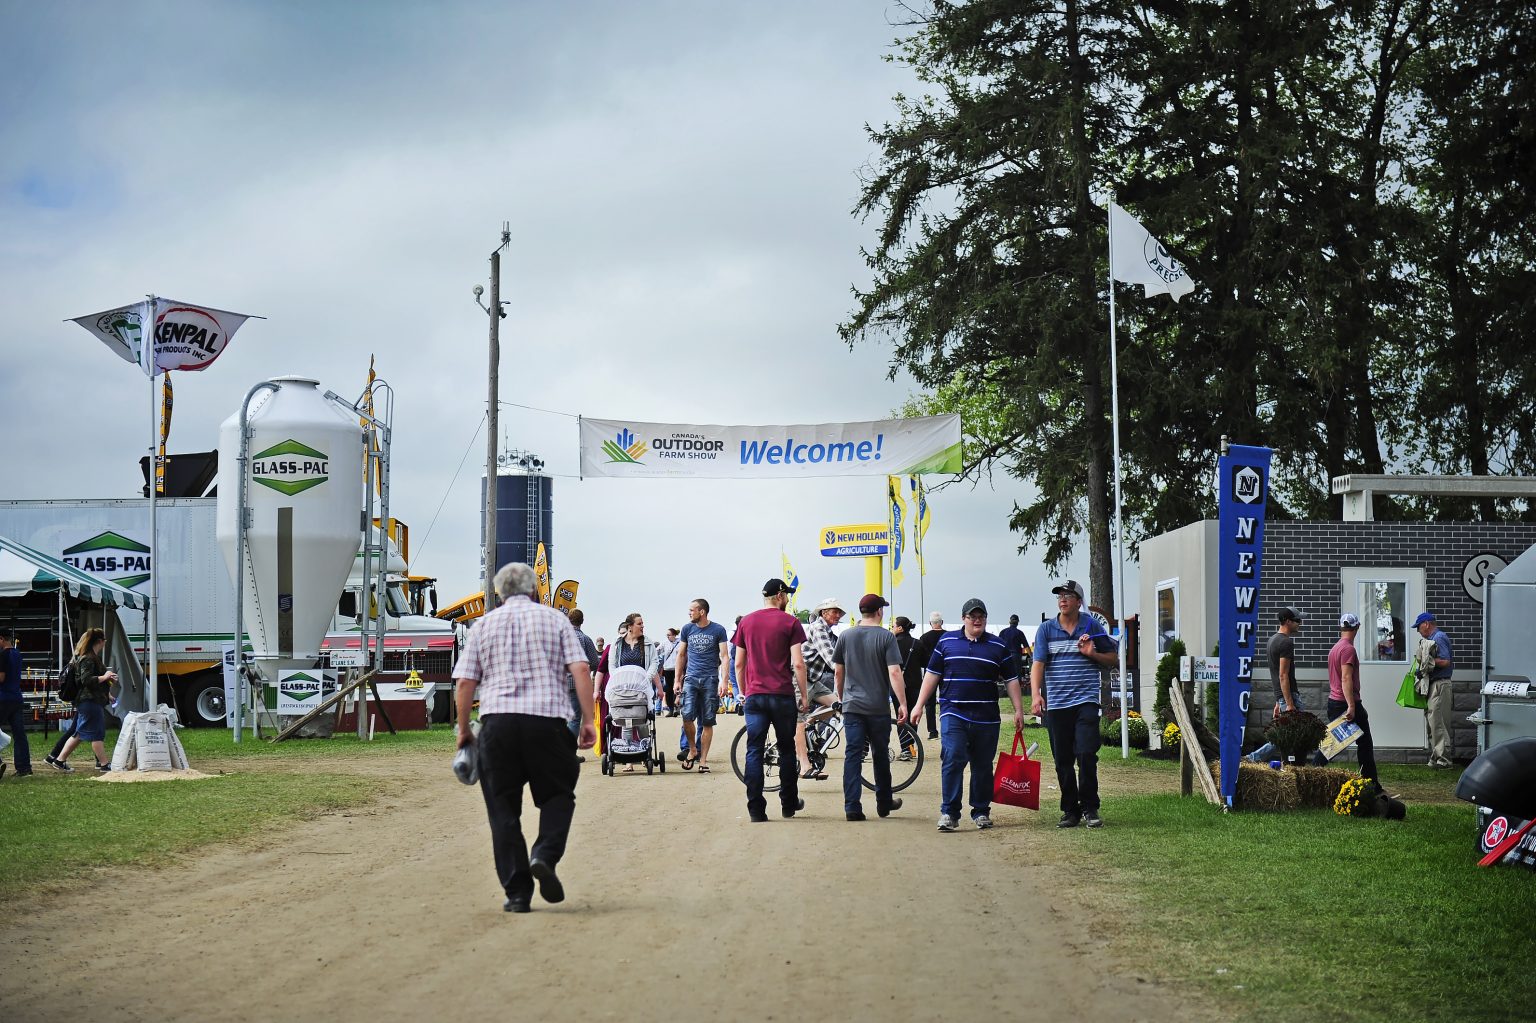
[1109, 731]
[1167, 671]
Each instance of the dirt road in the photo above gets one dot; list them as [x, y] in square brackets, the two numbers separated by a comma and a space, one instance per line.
[677, 908]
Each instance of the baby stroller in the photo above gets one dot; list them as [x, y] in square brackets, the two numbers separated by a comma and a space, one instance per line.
[629, 734]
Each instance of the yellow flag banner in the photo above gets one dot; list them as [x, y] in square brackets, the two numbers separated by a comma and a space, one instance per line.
[791, 579]
[898, 528]
[541, 575]
[920, 521]
[565, 595]
[166, 401]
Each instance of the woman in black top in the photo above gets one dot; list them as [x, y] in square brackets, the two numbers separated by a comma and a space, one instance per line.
[96, 681]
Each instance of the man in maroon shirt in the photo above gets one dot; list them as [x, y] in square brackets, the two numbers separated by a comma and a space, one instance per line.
[770, 664]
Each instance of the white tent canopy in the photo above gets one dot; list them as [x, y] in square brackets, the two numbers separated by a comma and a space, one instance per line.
[24, 570]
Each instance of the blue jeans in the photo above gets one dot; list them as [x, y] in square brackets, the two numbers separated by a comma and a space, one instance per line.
[13, 719]
[763, 711]
[869, 733]
[1074, 735]
[965, 743]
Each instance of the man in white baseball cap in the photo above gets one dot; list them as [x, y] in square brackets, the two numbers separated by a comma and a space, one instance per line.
[820, 643]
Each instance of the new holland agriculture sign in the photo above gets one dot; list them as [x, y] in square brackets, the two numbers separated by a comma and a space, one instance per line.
[290, 467]
[890, 447]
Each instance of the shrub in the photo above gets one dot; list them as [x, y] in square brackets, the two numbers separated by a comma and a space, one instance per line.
[1167, 671]
[1171, 736]
[1109, 730]
[1296, 733]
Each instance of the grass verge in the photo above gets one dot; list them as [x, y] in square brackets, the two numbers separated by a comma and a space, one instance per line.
[1306, 916]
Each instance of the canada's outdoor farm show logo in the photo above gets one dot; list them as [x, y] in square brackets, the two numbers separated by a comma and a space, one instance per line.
[290, 467]
[625, 447]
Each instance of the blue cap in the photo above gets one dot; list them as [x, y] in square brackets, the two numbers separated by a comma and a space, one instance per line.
[1424, 616]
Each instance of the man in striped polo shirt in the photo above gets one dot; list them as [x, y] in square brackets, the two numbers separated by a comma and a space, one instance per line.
[1070, 650]
[970, 662]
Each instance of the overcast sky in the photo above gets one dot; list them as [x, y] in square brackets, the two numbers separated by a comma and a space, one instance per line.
[679, 180]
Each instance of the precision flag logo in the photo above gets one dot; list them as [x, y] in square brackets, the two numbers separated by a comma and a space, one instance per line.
[107, 553]
[124, 324]
[625, 447]
[290, 467]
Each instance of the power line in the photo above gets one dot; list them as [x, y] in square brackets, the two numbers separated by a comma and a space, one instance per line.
[547, 411]
[451, 482]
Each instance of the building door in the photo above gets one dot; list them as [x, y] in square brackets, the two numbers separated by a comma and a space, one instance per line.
[1386, 600]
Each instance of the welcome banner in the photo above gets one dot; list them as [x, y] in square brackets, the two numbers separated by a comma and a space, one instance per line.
[634, 450]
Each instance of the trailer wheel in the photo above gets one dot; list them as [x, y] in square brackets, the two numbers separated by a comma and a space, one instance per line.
[204, 705]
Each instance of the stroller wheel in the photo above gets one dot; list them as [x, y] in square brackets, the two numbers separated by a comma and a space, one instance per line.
[650, 768]
[661, 764]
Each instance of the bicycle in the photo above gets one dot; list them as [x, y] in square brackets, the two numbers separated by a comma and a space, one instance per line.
[824, 733]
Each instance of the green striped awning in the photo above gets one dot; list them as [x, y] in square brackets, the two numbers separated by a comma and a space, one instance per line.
[24, 570]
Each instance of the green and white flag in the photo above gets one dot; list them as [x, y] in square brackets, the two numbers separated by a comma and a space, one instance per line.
[161, 334]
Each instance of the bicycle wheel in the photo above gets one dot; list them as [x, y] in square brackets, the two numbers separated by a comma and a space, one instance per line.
[906, 755]
[770, 760]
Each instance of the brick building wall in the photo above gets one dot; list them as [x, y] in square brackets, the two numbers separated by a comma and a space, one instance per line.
[1302, 565]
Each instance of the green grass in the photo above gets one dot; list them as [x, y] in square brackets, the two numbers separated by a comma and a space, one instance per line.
[56, 828]
[1308, 916]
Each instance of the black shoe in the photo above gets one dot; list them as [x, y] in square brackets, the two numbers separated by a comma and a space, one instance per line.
[856, 815]
[799, 805]
[1092, 819]
[517, 905]
[550, 887]
[933, 735]
[1068, 820]
[758, 818]
[886, 811]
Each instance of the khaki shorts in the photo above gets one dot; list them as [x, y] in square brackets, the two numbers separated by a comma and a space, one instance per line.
[814, 695]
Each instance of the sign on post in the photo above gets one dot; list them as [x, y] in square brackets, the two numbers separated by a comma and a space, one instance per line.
[1243, 478]
[871, 539]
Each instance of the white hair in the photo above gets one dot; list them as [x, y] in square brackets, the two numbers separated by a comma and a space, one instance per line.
[935, 619]
[514, 578]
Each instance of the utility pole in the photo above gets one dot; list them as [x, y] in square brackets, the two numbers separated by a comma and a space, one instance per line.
[492, 407]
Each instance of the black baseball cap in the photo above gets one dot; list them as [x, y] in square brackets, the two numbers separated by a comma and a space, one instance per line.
[972, 606]
[1069, 586]
[1292, 613]
[774, 587]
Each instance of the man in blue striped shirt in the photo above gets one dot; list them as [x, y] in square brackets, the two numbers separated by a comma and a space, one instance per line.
[1070, 651]
[970, 662]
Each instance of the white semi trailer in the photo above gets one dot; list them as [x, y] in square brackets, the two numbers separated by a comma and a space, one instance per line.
[109, 538]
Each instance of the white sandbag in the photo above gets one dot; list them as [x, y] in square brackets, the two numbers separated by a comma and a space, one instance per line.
[152, 744]
[123, 754]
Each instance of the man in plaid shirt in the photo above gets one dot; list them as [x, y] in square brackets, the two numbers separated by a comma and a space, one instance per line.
[517, 658]
[820, 642]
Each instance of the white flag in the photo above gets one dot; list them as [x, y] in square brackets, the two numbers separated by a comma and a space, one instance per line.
[121, 330]
[1135, 257]
[164, 334]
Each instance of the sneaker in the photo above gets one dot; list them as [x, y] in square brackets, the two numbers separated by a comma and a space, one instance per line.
[904, 758]
[103, 768]
[947, 823]
[799, 805]
[983, 821]
[1093, 820]
[892, 806]
[59, 765]
[1068, 820]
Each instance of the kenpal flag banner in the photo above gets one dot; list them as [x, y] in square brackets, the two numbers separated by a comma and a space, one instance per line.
[1243, 475]
[1135, 257]
[634, 450]
[161, 334]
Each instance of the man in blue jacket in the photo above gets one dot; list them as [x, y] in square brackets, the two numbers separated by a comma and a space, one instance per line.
[1070, 651]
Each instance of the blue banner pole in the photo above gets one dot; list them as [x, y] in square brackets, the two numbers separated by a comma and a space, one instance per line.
[1243, 479]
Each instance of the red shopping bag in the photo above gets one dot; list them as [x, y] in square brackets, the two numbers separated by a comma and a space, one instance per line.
[1016, 782]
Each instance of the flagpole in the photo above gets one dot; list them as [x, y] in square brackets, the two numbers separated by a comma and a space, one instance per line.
[151, 694]
[1114, 388]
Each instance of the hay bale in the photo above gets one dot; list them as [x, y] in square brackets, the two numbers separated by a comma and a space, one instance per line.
[1318, 787]
[1262, 788]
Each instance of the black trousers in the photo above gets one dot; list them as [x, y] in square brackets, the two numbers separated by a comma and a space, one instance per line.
[518, 750]
[669, 679]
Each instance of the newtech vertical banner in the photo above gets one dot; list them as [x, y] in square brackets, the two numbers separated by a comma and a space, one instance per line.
[1244, 480]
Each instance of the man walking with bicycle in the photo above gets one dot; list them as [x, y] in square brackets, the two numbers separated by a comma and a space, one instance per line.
[770, 664]
[867, 674]
[971, 663]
